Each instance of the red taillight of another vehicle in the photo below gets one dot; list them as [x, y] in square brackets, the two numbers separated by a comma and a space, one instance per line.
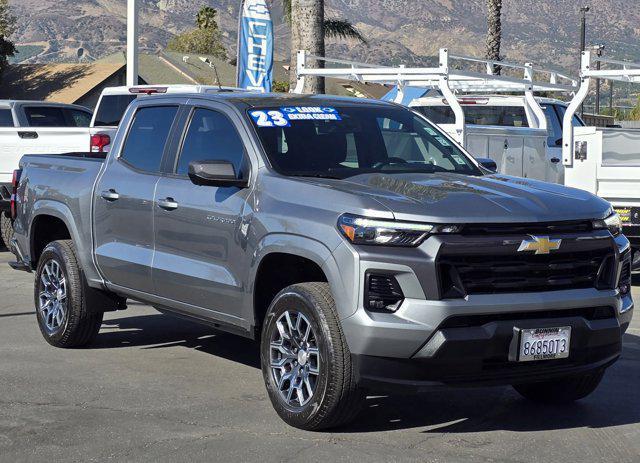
[14, 192]
[99, 142]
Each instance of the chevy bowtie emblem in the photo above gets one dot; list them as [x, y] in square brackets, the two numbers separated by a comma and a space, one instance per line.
[540, 244]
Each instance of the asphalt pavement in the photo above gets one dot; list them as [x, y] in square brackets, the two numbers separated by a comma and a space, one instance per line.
[156, 388]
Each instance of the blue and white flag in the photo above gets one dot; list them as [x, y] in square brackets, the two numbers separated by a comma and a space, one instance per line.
[255, 46]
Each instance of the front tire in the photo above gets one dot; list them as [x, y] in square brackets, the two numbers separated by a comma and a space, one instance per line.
[562, 390]
[62, 297]
[6, 228]
[306, 362]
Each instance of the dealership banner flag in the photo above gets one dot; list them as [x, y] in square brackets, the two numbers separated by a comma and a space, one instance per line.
[255, 46]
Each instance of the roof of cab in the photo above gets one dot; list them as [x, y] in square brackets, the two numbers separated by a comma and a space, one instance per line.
[13, 103]
[253, 99]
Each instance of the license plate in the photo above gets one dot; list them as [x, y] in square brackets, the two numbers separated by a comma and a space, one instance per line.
[544, 343]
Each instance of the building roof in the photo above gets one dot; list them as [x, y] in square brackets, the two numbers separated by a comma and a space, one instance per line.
[61, 83]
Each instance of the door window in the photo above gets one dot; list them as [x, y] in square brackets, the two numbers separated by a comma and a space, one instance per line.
[554, 126]
[77, 118]
[211, 137]
[148, 136]
[6, 119]
[44, 116]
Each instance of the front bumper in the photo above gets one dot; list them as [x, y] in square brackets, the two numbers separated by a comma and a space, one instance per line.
[484, 354]
[433, 340]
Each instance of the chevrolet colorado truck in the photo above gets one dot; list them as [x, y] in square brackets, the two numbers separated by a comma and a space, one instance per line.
[353, 238]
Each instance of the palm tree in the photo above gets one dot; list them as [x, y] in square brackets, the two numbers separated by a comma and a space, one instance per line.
[494, 33]
[308, 31]
[206, 18]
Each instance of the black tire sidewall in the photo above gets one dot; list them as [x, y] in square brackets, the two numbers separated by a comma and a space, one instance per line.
[6, 228]
[294, 300]
[54, 251]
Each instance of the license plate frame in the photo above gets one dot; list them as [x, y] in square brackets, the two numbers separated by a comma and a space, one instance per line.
[550, 343]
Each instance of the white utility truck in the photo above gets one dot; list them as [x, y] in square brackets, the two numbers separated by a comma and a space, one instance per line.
[500, 111]
[518, 144]
[35, 127]
[605, 161]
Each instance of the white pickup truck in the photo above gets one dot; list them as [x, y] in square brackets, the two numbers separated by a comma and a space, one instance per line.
[36, 127]
[501, 127]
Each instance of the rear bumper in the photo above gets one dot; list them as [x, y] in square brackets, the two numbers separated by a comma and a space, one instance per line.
[483, 354]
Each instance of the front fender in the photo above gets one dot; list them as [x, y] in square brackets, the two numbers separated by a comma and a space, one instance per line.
[316, 252]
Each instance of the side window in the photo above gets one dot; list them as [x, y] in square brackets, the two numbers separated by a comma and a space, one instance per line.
[211, 137]
[147, 137]
[554, 129]
[6, 119]
[45, 116]
[77, 118]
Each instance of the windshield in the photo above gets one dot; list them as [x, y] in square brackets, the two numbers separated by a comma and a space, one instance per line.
[340, 142]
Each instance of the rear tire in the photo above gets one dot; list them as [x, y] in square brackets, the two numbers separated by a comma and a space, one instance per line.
[6, 228]
[562, 390]
[66, 316]
[309, 375]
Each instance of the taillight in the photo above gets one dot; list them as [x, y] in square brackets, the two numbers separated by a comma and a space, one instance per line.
[99, 142]
[14, 192]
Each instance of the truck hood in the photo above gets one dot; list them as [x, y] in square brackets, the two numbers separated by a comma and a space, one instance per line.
[456, 198]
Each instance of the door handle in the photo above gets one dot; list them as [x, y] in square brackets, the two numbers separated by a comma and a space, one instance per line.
[168, 204]
[28, 135]
[555, 160]
[110, 195]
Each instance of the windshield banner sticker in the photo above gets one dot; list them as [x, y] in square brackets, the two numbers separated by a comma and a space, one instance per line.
[284, 116]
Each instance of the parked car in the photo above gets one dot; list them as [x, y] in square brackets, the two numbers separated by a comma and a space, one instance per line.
[353, 238]
[35, 127]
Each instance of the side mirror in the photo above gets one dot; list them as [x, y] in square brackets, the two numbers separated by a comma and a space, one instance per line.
[488, 164]
[215, 173]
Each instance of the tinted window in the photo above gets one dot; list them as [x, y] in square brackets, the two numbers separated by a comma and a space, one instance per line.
[111, 109]
[77, 118]
[554, 127]
[561, 109]
[211, 137]
[6, 119]
[362, 139]
[147, 137]
[504, 116]
[45, 116]
[438, 114]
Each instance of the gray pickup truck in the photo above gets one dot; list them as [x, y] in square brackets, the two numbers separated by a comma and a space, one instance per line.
[361, 246]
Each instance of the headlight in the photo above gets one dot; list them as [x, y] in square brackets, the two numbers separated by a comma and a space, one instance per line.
[361, 230]
[613, 223]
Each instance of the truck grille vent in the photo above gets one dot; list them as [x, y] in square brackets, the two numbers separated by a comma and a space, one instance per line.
[493, 274]
[549, 228]
[382, 293]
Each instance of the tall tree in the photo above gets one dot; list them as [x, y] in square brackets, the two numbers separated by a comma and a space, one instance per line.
[494, 32]
[7, 22]
[330, 27]
[205, 39]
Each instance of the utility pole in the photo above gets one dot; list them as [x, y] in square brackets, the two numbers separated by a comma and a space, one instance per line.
[611, 97]
[132, 42]
[583, 38]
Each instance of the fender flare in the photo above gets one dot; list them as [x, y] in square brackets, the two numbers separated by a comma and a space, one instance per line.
[307, 248]
[62, 212]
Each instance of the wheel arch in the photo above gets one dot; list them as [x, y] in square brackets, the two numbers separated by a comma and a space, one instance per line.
[282, 260]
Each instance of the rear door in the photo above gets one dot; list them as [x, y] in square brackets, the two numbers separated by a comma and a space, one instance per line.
[200, 258]
[123, 212]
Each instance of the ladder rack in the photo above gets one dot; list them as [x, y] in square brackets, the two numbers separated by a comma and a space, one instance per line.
[454, 74]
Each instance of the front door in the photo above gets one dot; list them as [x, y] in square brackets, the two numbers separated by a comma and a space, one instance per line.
[200, 257]
[123, 214]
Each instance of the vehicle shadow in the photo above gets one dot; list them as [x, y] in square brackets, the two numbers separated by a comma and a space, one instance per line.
[162, 331]
[616, 402]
